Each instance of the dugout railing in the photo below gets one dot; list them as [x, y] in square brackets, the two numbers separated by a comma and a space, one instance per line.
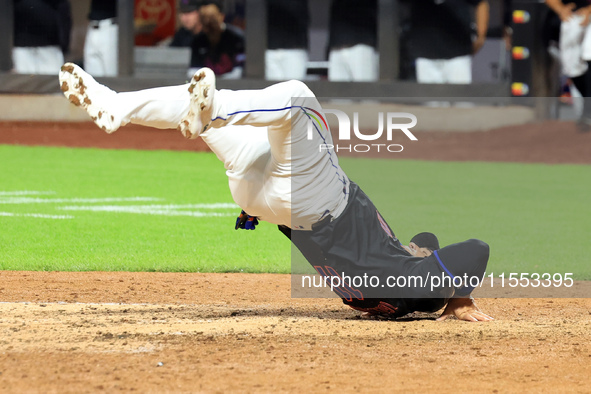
[389, 87]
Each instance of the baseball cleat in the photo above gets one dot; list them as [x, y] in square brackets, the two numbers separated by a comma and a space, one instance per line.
[201, 91]
[83, 91]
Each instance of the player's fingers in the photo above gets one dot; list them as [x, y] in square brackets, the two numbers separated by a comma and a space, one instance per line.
[482, 316]
[442, 317]
[475, 317]
[468, 317]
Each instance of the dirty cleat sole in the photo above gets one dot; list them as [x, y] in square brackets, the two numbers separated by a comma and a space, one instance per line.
[83, 91]
[201, 91]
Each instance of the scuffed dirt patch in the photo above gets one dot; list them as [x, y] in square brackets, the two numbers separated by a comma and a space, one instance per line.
[154, 332]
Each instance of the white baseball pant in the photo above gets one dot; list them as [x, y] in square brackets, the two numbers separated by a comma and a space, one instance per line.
[359, 63]
[37, 60]
[285, 64]
[277, 171]
[457, 70]
[575, 46]
[101, 48]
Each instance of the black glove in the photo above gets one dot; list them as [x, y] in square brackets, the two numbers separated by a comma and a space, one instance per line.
[246, 222]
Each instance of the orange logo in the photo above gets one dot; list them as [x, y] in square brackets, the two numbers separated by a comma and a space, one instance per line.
[520, 53]
[520, 16]
[519, 89]
[156, 11]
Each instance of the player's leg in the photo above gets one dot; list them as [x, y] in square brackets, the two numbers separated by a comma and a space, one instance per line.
[272, 106]
[160, 107]
[273, 63]
[458, 267]
[284, 64]
[24, 60]
[301, 178]
[37, 60]
[337, 66]
[50, 59]
[458, 70]
[110, 44]
[363, 63]
[100, 48]
[571, 51]
[295, 62]
[286, 109]
[92, 59]
[428, 71]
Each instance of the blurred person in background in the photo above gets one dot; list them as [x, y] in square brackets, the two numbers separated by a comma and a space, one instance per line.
[190, 23]
[218, 46]
[507, 21]
[287, 40]
[41, 35]
[443, 36]
[574, 43]
[352, 41]
[101, 45]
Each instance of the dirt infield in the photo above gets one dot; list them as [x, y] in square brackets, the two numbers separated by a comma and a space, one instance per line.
[164, 332]
[90, 332]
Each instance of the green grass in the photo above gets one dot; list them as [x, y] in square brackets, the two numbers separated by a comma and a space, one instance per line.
[127, 241]
[535, 217]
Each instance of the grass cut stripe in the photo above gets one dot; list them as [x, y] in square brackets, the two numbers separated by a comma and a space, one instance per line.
[534, 216]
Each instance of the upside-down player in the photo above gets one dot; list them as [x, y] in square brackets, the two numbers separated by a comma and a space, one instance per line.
[262, 138]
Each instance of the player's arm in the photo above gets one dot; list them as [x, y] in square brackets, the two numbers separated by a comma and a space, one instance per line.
[464, 309]
[482, 18]
[586, 13]
[564, 11]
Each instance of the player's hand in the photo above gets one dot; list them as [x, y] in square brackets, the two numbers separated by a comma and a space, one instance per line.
[417, 251]
[566, 12]
[585, 12]
[246, 222]
[464, 309]
[477, 44]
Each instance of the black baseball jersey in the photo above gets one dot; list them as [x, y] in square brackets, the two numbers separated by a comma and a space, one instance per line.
[102, 9]
[222, 57]
[578, 3]
[360, 242]
[182, 38]
[551, 25]
[353, 22]
[40, 23]
[441, 29]
[287, 24]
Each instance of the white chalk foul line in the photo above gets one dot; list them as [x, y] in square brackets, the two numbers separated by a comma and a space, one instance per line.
[35, 200]
[36, 215]
[18, 197]
[221, 205]
[23, 193]
[164, 210]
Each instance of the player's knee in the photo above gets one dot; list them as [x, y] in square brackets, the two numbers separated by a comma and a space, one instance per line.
[298, 89]
[479, 253]
[470, 256]
[479, 249]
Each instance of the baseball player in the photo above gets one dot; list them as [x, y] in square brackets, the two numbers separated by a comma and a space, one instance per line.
[101, 42]
[575, 48]
[41, 35]
[262, 138]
